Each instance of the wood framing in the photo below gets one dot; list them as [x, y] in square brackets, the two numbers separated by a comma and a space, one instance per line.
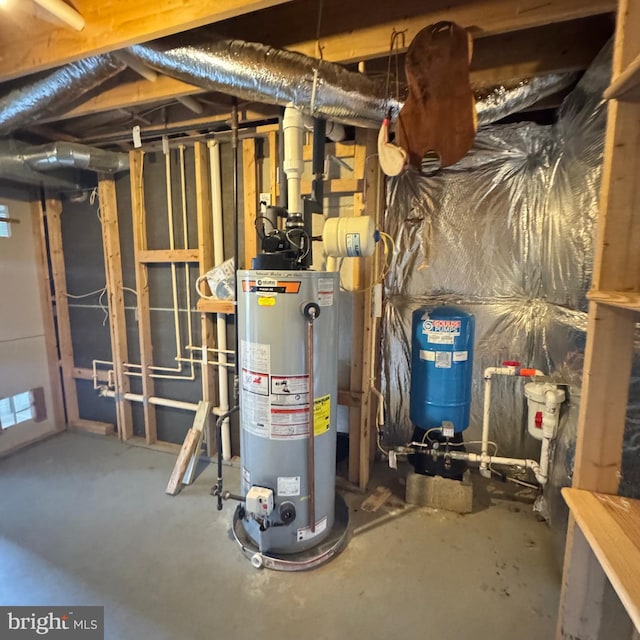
[349, 34]
[53, 212]
[205, 252]
[584, 611]
[115, 292]
[151, 256]
[136, 165]
[48, 322]
[250, 190]
[30, 42]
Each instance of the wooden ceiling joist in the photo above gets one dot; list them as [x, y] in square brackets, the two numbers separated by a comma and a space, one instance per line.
[132, 94]
[351, 31]
[29, 42]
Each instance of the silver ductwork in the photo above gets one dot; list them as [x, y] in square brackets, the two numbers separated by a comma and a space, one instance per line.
[23, 163]
[59, 155]
[56, 92]
[254, 72]
[499, 102]
[258, 73]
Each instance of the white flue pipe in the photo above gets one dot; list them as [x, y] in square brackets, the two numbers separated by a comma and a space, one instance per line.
[293, 128]
[63, 12]
[221, 322]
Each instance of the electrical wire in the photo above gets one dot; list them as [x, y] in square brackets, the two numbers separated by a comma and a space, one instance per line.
[255, 224]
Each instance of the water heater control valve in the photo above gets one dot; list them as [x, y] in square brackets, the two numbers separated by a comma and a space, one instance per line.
[259, 502]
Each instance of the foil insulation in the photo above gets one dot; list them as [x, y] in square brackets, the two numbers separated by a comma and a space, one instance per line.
[499, 102]
[258, 73]
[508, 235]
[56, 92]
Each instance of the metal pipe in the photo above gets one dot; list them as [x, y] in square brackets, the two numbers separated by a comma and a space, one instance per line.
[311, 452]
[217, 490]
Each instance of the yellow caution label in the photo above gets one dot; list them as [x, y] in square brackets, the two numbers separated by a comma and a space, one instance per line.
[321, 415]
[266, 301]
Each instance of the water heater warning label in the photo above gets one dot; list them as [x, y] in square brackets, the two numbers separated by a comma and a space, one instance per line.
[321, 415]
[254, 411]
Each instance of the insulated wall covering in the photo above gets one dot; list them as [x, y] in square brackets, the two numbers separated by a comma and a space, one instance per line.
[506, 234]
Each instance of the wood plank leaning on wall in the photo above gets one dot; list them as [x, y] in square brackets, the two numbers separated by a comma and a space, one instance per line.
[115, 292]
[136, 167]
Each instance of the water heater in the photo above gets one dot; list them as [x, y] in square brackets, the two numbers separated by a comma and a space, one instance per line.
[287, 385]
[441, 364]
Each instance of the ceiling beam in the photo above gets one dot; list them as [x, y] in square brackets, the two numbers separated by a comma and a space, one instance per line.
[351, 33]
[563, 46]
[132, 94]
[29, 42]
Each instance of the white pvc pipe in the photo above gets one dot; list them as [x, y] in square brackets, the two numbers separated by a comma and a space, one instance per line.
[489, 372]
[221, 322]
[63, 12]
[158, 401]
[293, 129]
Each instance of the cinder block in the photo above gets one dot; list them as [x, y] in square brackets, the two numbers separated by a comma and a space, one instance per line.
[440, 493]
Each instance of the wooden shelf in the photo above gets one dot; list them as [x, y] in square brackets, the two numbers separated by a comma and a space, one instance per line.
[626, 85]
[216, 306]
[611, 525]
[622, 299]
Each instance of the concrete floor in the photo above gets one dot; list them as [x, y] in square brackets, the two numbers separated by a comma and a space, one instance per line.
[85, 520]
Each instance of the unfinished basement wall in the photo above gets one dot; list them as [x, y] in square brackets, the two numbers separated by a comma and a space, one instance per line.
[85, 272]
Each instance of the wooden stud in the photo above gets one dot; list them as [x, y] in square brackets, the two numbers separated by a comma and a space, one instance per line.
[115, 292]
[151, 256]
[205, 252]
[48, 322]
[53, 211]
[136, 164]
[250, 189]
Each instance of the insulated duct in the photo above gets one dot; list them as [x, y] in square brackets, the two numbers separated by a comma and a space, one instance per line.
[24, 163]
[258, 73]
[60, 155]
[56, 92]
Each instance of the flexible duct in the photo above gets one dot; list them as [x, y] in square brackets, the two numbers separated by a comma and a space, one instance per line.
[499, 102]
[56, 92]
[259, 73]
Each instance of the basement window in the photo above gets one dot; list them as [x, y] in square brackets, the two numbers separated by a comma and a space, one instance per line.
[21, 407]
[5, 225]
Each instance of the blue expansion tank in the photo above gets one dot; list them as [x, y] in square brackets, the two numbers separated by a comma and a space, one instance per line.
[441, 363]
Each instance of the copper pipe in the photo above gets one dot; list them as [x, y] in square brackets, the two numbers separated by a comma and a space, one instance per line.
[311, 465]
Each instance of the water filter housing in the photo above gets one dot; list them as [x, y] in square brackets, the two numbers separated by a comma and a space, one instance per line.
[441, 366]
[274, 405]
